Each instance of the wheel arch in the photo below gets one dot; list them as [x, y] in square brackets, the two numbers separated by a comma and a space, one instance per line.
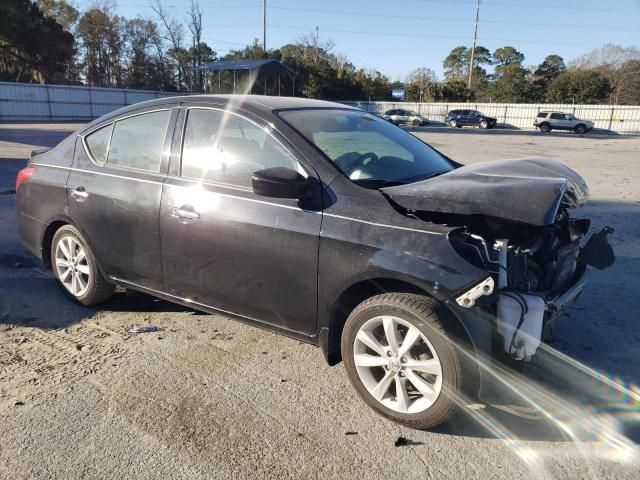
[359, 291]
[53, 225]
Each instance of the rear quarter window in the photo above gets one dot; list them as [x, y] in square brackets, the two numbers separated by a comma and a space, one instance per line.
[542, 115]
[98, 144]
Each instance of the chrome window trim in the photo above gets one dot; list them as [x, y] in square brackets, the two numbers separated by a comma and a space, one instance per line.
[112, 123]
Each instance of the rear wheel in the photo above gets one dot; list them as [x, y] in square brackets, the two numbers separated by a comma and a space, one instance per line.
[580, 129]
[453, 123]
[400, 360]
[545, 127]
[75, 268]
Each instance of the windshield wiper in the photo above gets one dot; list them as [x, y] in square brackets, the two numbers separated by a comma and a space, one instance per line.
[420, 178]
[378, 182]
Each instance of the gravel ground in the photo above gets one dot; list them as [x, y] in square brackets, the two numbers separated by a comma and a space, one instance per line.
[209, 397]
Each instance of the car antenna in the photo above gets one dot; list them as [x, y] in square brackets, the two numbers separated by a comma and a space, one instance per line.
[163, 92]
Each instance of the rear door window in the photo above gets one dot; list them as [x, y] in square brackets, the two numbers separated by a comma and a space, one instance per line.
[557, 116]
[137, 142]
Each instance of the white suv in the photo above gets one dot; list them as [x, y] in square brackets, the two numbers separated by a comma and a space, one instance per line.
[547, 121]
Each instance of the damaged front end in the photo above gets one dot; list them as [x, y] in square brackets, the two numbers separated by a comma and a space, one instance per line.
[514, 223]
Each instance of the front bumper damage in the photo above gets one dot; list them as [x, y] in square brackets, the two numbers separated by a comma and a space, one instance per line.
[524, 319]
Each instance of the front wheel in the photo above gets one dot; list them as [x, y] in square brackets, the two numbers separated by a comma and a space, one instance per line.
[75, 268]
[416, 123]
[401, 361]
[580, 129]
[484, 124]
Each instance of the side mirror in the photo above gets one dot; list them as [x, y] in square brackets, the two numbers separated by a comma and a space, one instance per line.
[278, 182]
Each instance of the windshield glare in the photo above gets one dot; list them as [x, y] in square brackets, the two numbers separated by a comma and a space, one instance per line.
[368, 150]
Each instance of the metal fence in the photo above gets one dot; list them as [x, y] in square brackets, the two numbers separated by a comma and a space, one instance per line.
[29, 102]
[620, 119]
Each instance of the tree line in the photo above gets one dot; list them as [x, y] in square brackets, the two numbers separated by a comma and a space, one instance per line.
[50, 41]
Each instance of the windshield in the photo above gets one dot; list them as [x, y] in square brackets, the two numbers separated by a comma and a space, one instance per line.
[367, 149]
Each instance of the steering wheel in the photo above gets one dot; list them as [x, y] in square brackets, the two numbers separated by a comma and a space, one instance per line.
[360, 162]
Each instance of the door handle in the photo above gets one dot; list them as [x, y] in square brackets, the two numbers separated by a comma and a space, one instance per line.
[79, 194]
[184, 213]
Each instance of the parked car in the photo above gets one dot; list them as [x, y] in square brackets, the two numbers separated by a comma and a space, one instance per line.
[473, 118]
[547, 121]
[321, 222]
[398, 117]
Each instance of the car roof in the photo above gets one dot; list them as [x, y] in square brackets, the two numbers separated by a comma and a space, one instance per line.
[263, 103]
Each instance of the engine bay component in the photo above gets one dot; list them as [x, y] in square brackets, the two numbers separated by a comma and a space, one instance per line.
[468, 298]
[520, 319]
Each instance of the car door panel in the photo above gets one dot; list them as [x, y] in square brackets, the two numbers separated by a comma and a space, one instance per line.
[118, 211]
[241, 253]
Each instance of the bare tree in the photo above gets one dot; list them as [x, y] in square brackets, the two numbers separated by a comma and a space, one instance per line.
[614, 62]
[174, 34]
[195, 27]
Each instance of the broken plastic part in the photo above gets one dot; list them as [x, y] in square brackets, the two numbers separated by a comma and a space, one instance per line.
[468, 299]
[597, 252]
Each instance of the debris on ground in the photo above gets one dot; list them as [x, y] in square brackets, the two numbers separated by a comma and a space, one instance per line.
[131, 329]
[405, 442]
[350, 433]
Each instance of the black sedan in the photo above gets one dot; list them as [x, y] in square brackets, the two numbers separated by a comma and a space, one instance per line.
[322, 222]
[469, 118]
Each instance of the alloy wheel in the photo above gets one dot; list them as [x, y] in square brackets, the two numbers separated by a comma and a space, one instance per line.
[397, 364]
[72, 265]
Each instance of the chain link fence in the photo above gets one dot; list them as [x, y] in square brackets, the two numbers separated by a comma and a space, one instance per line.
[619, 119]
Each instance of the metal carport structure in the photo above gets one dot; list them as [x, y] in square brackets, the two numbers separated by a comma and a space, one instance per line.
[262, 67]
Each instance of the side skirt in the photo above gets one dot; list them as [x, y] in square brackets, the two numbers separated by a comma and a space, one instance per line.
[208, 309]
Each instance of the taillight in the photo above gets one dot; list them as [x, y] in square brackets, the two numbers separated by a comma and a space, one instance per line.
[24, 175]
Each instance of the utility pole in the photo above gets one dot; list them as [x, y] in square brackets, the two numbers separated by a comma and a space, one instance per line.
[473, 47]
[317, 46]
[264, 25]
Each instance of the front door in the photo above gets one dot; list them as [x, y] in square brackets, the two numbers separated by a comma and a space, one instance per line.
[225, 247]
[114, 192]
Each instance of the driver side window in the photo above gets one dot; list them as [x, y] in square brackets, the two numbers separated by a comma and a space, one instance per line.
[226, 148]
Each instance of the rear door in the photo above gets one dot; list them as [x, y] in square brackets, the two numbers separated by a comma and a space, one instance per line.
[114, 192]
[403, 116]
[558, 121]
[465, 117]
[225, 247]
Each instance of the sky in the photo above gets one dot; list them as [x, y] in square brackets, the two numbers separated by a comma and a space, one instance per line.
[397, 36]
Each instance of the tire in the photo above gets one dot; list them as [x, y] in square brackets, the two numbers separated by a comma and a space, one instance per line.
[580, 129]
[429, 374]
[484, 124]
[453, 124]
[545, 127]
[89, 287]
[416, 123]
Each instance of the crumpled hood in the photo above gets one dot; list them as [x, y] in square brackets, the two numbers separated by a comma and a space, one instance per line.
[522, 190]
